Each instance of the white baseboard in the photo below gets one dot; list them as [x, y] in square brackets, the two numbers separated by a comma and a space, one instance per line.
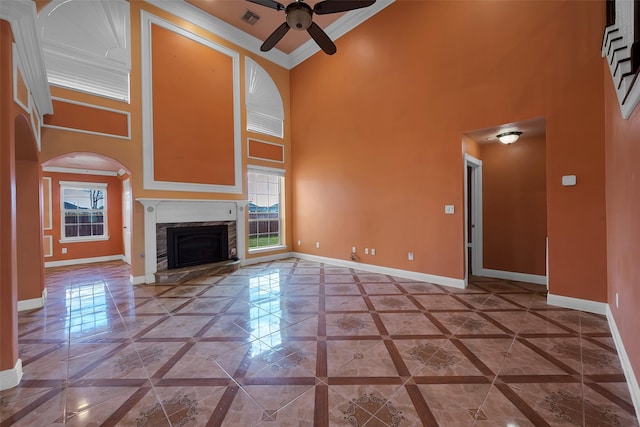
[632, 380]
[11, 377]
[413, 275]
[77, 261]
[33, 303]
[577, 304]
[136, 280]
[266, 258]
[518, 277]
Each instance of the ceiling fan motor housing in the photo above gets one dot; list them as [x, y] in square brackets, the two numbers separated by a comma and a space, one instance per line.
[299, 16]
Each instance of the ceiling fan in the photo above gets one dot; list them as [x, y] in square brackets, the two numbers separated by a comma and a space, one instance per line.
[299, 17]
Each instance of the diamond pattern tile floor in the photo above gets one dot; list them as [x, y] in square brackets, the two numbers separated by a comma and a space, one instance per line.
[300, 343]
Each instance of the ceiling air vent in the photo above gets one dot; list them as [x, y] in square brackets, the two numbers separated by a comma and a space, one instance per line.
[250, 17]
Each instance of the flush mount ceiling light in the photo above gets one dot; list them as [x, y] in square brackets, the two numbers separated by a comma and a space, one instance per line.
[509, 137]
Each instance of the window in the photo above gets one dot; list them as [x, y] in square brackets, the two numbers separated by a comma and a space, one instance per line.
[265, 208]
[83, 210]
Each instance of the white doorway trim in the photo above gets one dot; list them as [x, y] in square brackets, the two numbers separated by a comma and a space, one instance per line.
[476, 216]
[126, 219]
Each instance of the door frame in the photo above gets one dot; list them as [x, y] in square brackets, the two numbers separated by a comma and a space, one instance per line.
[476, 217]
[127, 202]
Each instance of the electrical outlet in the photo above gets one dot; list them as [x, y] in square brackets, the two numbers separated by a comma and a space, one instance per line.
[318, 245]
[373, 251]
[449, 209]
[617, 301]
[410, 256]
[64, 250]
[298, 242]
[366, 251]
[353, 250]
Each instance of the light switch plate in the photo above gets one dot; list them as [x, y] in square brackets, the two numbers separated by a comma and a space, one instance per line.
[569, 180]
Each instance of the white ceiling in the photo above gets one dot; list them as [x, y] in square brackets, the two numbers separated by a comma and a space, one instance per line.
[533, 127]
[84, 162]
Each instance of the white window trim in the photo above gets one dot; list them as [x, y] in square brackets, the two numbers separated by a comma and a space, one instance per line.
[80, 185]
[281, 174]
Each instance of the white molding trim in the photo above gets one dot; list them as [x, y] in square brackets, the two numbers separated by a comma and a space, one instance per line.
[511, 275]
[249, 156]
[266, 258]
[22, 16]
[48, 246]
[78, 171]
[17, 68]
[95, 107]
[158, 211]
[149, 180]
[33, 303]
[413, 275]
[136, 280]
[632, 380]
[46, 182]
[220, 28]
[476, 207]
[10, 378]
[577, 303]
[337, 29]
[78, 261]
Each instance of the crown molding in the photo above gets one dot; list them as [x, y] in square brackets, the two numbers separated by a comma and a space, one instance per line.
[337, 29]
[21, 14]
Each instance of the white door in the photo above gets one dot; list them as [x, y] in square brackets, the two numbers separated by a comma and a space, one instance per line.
[126, 219]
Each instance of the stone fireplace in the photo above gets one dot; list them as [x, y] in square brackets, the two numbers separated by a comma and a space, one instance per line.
[209, 230]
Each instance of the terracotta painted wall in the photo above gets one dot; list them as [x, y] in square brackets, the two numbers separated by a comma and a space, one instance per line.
[623, 220]
[377, 130]
[514, 206]
[78, 250]
[129, 152]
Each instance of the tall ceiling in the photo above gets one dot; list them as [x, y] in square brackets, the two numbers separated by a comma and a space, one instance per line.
[232, 11]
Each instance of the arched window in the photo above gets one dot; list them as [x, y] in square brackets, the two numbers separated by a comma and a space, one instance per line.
[265, 113]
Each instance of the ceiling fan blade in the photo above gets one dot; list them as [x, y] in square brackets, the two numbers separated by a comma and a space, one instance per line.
[275, 37]
[322, 39]
[334, 6]
[268, 3]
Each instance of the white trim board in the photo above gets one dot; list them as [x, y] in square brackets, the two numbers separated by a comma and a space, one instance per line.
[577, 304]
[413, 275]
[10, 378]
[31, 304]
[511, 275]
[137, 280]
[632, 380]
[77, 261]
[148, 167]
[265, 258]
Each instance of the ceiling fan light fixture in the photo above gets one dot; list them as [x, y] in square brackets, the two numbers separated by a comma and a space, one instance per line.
[299, 17]
[509, 137]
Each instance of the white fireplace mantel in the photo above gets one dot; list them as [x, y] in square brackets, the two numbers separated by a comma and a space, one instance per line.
[158, 211]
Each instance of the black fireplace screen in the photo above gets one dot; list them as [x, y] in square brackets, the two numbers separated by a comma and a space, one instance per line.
[189, 246]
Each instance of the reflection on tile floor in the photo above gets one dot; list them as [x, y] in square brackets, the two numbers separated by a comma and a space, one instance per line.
[299, 343]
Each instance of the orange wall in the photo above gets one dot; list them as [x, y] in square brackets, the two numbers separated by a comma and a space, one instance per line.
[377, 130]
[193, 127]
[623, 214]
[514, 204]
[78, 250]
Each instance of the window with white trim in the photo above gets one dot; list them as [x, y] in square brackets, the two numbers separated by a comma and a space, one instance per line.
[83, 207]
[265, 208]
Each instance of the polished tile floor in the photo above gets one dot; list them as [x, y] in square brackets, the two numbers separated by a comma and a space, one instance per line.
[299, 343]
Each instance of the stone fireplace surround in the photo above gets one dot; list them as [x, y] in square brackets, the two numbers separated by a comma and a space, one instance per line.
[176, 211]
